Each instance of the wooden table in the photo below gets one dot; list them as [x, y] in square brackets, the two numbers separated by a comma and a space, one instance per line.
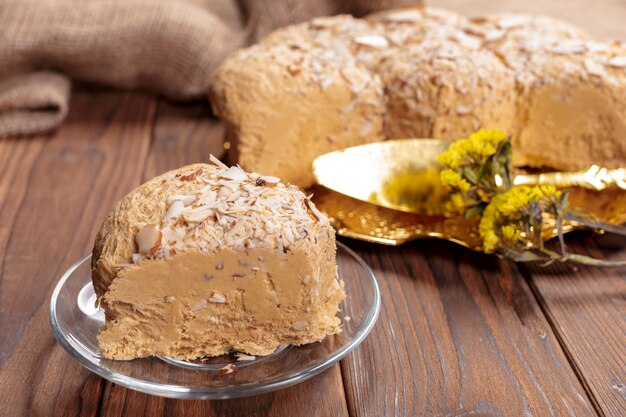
[459, 334]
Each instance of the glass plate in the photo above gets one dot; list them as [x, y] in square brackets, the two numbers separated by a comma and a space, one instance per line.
[75, 323]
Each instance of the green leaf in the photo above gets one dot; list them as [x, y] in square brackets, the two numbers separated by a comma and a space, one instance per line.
[588, 260]
[524, 256]
[593, 224]
[474, 211]
[469, 173]
[503, 162]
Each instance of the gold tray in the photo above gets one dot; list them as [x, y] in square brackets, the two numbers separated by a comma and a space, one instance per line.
[362, 174]
[361, 220]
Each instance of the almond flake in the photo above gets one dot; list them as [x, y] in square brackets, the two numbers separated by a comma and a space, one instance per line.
[375, 41]
[512, 22]
[594, 46]
[567, 48]
[234, 173]
[199, 305]
[494, 35]
[404, 16]
[463, 110]
[228, 369]
[169, 298]
[217, 162]
[618, 62]
[294, 70]
[320, 217]
[266, 180]
[191, 176]
[148, 239]
[174, 210]
[425, 110]
[327, 82]
[299, 325]
[244, 357]
[184, 198]
[198, 214]
[217, 298]
[594, 67]
[468, 41]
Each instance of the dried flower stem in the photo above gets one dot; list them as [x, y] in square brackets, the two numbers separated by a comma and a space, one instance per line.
[478, 170]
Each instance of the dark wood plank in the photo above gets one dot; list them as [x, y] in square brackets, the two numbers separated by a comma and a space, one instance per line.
[460, 334]
[587, 309]
[17, 157]
[63, 186]
[315, 397]
[184, 135]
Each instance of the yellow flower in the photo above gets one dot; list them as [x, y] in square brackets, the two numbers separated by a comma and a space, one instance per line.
[492, 137]
[453, 179]
[486, 230]
[451, 158]
[478, 146]
[509, 232]
[456, 204]
[510, 202]
[503, 214]
[490, 242]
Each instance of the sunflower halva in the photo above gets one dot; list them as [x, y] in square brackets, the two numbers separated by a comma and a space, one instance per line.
[334, 82]
[206, 259]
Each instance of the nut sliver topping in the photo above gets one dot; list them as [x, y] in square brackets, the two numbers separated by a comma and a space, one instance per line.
[219, 208]
[217, 298]
[198, 214]
[234, 173]
[618, 62]
[299, 325]
[147, 239]
[375, 41]
[174, 210]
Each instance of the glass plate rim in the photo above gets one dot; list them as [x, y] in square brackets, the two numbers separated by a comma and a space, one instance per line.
[217, 393]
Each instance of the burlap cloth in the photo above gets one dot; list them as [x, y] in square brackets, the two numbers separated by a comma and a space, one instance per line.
[167, 47]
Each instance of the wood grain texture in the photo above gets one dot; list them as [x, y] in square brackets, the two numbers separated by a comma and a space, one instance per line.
[63, 187]
[17, 157]
[184, 135]
[587, 309]
[460, 334]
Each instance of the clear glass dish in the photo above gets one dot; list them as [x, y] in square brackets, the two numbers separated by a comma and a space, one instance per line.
[75, 323]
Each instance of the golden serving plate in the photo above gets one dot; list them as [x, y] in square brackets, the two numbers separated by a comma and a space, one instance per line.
[389, 192]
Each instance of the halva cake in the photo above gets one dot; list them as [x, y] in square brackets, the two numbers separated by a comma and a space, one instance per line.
[339, 81]
[207, 259]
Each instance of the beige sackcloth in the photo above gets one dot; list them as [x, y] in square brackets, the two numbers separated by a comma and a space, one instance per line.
[169, 47]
